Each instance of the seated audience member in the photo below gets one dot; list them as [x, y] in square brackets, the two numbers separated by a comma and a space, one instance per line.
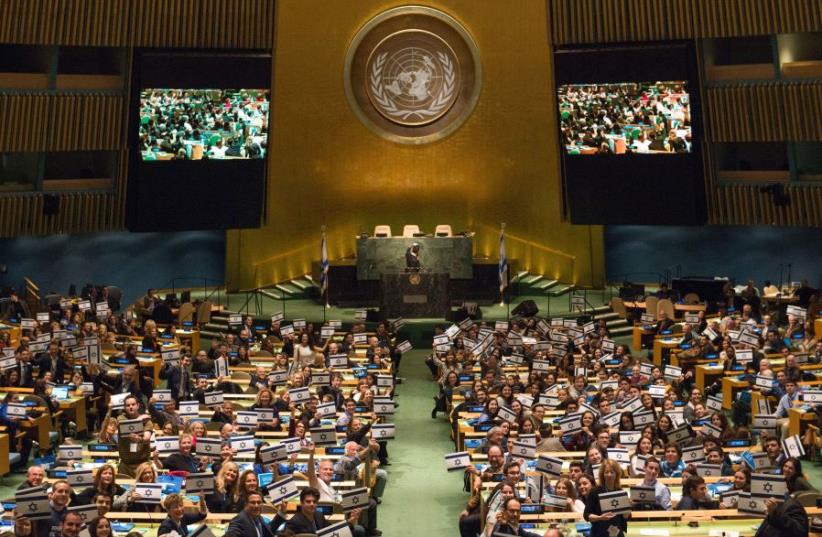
[178, 521]
[509, 523]
[662, 494]
[796, 481]
[308, 520]
[695, 495]
[608, 524]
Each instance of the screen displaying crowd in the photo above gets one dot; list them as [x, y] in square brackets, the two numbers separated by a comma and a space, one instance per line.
[197, 124]
[629, 117]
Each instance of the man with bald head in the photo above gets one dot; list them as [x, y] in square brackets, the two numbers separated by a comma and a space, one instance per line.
[34, 478]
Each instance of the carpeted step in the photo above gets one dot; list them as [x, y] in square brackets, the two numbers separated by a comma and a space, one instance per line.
[288, 289]
[606, 315]
[562, 290]
[532, 279]
[544, 285]
[272, 294]
[621, 331]
[519, 276]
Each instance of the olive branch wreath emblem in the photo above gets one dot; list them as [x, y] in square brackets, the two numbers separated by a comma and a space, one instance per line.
[437, 105]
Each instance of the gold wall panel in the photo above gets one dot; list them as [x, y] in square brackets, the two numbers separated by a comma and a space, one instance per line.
[325, 167]
[79, 213]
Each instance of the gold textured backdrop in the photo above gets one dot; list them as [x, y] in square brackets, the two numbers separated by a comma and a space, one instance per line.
[327, 168]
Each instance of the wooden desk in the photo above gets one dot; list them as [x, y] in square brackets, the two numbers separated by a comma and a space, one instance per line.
[5, 467]
[75, 408]
[663, 344]
[639, 331]
[38, 429]
[729, 387]
[796, 418]
[708, 374]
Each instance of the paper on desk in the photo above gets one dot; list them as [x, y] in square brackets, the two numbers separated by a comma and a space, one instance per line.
[654, 531]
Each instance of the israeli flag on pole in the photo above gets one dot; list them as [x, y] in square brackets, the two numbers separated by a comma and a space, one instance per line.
[324, 265]
[503, 262]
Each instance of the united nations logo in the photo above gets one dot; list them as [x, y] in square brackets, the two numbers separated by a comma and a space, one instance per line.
[414, 278]
[413, 74]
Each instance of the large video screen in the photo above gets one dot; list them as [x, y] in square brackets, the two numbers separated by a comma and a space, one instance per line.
[629, 133]
[625, 117]
[200, 135]
[203, 124]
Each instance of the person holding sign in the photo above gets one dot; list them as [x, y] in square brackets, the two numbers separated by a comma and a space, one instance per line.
[308, 520]
[608, 524]
[135, 447]
[509, 525]
[183, 461]
[695, 495]
[177, 521]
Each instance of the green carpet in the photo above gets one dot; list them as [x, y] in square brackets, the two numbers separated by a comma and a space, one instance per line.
[421, 498]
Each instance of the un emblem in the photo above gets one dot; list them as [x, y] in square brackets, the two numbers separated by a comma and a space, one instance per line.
[412, 74]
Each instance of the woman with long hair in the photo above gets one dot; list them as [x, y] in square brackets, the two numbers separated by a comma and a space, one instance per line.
[566, 489]
[100, 527]
[447, 387]
[247, 484]
[144, 473]
[265, 401]
[104, 481]
[225, 486]
[608, 524]
[792, 470]
[585, 484]
[644, 448]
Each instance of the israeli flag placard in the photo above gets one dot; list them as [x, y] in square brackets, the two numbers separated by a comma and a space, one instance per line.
[629, 438]
[117, 400]
[748, 503]
[200, 483]
[619, 454]
[763, 382]
[67, 452]
[812, 396]
[744, 356]
[672, 372]
[213, 399]
[242, 444]
[385, 381]
[549, 465]
[617, 502]
[457, 461]
[247, 419]
[265, 415]
[9, 362]
[336, 361]
[714, 403]
[210, 447]
[325, 410]
[638, 463]
[166, 445]
[325, 436]
[524, 450]
[189, 409]
[646, 417]
[298, 395]
[171, 356]
[612, 419]
[149, 492]
[632, 405]
[340, 529]
[643, 494]
[127, 427]
[201, 531]
[382, 431]
[768, 485]
[34, 505]
[730, 499]
[87, 513]
[549, 401]
[83, 477]
[220, 367]
[793, 446]
[709, 429]
[361, 338]
[680, 434]
[327, 332]
[320, 379]
[569, 424]
[541, 365]
[693, 454]
[292, 445]
[354, 499]
[708, 470]
[360, 315]
[277, 317]
[16, 410]
[763, 406]
[558, 502]
[404, 346]
[383, 407]
[162, 396]
[286, 330]
[507, 414]
[762, 421]
[278, 378]
[282, 490]
[272, 454]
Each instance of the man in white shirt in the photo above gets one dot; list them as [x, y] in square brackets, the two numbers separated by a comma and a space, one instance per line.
[662, 494]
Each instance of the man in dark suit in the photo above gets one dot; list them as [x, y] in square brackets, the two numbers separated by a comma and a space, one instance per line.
[308, 520]
[664, 323]
[249, 523]
[130, 381]
[179, 379]
[25, 369]
[53, 361]
[412, 256]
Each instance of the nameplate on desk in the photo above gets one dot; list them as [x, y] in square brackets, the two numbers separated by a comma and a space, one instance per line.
[647, 318]
[105, 447]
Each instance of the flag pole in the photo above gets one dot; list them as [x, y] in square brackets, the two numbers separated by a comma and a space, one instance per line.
[503, 267]
[324, 272]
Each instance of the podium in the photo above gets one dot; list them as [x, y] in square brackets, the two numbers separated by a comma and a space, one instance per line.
[414, 294]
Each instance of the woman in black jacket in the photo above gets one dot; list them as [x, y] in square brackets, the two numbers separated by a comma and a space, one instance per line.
[222, 499]
[178, 521]
[103, 482]
[609, 524]
[183, 461]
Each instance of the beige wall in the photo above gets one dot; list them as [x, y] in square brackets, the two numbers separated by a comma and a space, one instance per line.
[328, 168]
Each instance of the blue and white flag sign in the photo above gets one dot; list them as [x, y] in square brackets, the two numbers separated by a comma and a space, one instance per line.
[457, 461]
[617, 502]
[354, 499]
[282, 490]
[340, 529]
